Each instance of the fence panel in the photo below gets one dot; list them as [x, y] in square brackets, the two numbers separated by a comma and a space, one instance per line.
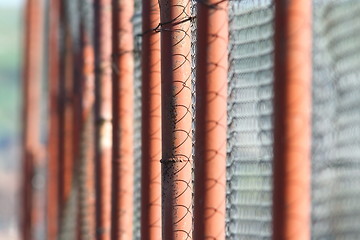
[137, 119]
[249, 167]
[336, 120]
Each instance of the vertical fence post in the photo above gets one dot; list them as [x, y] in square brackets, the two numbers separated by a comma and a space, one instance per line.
[176, 119]
[68, 104]
[123, 165]
[211, 115]
[103, 117]
[292, 123]
[151, 123]
[67, 135]
[31, 112]
[66, 123]
[52, 203]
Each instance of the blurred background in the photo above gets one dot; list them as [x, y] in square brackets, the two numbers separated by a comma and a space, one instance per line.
[10, 73]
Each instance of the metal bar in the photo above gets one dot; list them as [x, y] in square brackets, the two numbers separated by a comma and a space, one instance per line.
[176, 119]
[70, 117]
[151, 123]
[103, 107]
[211, 120]
[123, 91]
[31, 113]
[76, 15]
[52, 202]
[292, 123]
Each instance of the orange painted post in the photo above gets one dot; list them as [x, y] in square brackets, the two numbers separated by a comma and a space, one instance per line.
[103, 115]
[151, 123]
[52, 202]
[123, 91]
[176, 119]
[211, 123]
[292, 123]
[31, 113]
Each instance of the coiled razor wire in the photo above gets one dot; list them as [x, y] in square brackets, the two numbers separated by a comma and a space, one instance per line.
[336, 120]
[249, 146]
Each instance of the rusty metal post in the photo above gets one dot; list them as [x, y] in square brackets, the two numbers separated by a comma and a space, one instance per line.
[151, 123]
[31, 113]
[123, 91]
[52, 203]
[176, 119]
[292, 123]
[211, 123]
[103, 117]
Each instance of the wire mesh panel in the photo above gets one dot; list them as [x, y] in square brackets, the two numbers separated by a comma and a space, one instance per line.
[336, 120]
[193, 79]
[137, 119]
[249, 167]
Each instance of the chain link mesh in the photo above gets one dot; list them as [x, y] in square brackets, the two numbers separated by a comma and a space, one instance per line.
[336, 120]
[137, 23]
[249, 164]
[193, 88]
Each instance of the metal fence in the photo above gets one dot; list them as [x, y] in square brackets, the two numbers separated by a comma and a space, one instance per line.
[250, 142]
[249, 170]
